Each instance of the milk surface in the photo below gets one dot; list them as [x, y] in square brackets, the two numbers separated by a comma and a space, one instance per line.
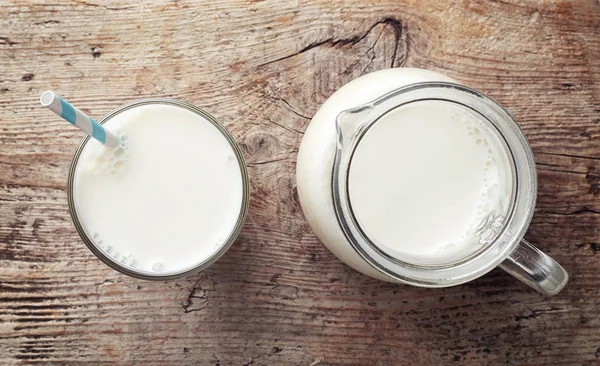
[429, 183]
[168, 199]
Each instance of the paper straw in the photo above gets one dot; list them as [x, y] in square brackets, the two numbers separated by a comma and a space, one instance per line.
[58, 105]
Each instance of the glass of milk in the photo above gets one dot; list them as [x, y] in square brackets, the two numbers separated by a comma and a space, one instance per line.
[410, 177]
[167, 203]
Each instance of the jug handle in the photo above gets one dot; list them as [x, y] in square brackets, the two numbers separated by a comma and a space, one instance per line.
[536, 269]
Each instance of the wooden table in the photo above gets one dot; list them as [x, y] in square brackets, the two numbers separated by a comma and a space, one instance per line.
[278, 296]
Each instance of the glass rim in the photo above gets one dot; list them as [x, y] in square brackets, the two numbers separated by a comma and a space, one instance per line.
[353, 124]
[222, 248]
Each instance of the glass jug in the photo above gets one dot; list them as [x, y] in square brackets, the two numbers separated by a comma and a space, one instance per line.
[331, 150]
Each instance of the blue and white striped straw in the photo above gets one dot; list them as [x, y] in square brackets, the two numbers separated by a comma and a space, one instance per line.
[79, 119]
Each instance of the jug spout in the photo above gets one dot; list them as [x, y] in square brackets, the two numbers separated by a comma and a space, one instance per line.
[350, 123]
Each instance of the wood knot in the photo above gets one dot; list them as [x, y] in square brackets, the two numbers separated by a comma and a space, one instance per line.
[593, 179]
[96, 51]
[258, 145]
[28, 77]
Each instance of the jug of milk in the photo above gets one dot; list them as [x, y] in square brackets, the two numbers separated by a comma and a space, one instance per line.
[409, 177]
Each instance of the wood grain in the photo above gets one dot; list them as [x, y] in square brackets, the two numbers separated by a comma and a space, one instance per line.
[278, 296]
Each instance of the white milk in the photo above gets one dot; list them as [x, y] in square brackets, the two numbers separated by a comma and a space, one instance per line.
[169, 199]
[415, 186]
[424, 178]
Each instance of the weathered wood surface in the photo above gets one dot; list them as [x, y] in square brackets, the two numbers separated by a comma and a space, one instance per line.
[278, 296]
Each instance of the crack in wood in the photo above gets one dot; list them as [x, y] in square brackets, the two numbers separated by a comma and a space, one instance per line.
[371, 49]
[284, 127]
[289, 108]
[547, 164]
[561, 171]
[537, 312]
[31, 357]
[104, 283]
[333, 42]
[198, 291]
[294, 110]
[39, 307]
[51, 21]
[569, 155]
[7, 41]
[584, 210]
[5, 287]
[267, 161]
[36, 349]
[104, 6]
